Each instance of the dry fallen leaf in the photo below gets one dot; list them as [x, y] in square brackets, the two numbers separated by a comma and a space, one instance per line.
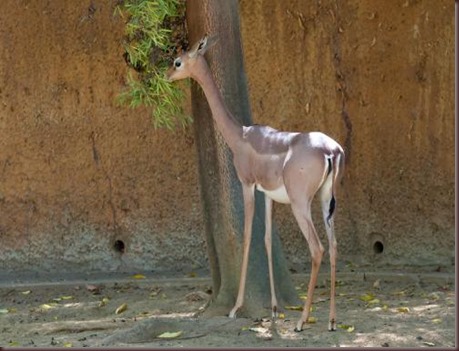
[170, 335]
[121, 308]
[281, 316]
[138, 276]
[27, 292]
[104, 301]
[67, 344]
[143, 314]
[303, 296]
[93, 288]
[259, 329]
[312, 320]
[403, 309]
[4, 311]
[48, 306]
[294, 308]
[57, 299]
[436, 320]
[349, 328]
[374, 301]
[367, 297]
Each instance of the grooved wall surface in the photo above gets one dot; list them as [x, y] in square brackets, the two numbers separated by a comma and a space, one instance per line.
[378, 76]
[78, 172]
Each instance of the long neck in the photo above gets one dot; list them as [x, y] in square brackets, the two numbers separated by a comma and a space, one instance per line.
[228, 126]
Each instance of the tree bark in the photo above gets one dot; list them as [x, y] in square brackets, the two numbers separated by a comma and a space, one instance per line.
[221, 191]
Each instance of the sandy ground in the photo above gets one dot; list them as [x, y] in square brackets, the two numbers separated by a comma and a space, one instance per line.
[374, 310]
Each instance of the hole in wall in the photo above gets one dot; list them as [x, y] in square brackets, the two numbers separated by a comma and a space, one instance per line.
[119, 246]
[378, 247]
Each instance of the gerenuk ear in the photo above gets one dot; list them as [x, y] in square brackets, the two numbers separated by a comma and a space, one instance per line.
[202, 46]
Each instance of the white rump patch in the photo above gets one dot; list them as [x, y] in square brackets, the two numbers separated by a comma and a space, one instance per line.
[278, 195]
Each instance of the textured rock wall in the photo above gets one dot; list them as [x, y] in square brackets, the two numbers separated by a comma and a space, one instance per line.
[78, 173]
[378, 76]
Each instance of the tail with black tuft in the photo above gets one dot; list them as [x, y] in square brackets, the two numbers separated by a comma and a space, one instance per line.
[331, 209]
[335, 167]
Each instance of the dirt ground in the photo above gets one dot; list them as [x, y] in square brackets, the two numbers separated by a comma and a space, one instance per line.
[374, 310]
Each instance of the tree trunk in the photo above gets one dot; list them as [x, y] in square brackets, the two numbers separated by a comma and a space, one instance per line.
[221, 191]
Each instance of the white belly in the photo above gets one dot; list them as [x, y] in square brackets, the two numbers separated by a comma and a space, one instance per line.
[278, 195]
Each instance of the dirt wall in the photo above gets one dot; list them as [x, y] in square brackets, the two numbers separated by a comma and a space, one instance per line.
[78, 173]
[378, 76]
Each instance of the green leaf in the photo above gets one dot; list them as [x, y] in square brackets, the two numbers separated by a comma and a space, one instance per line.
[148, 37]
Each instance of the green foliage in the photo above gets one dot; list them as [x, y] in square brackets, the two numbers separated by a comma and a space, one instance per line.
[151, 28]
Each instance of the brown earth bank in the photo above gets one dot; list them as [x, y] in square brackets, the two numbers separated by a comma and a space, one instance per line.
[80, 172]
[379, 309]
[87, 185]
[377, 77]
